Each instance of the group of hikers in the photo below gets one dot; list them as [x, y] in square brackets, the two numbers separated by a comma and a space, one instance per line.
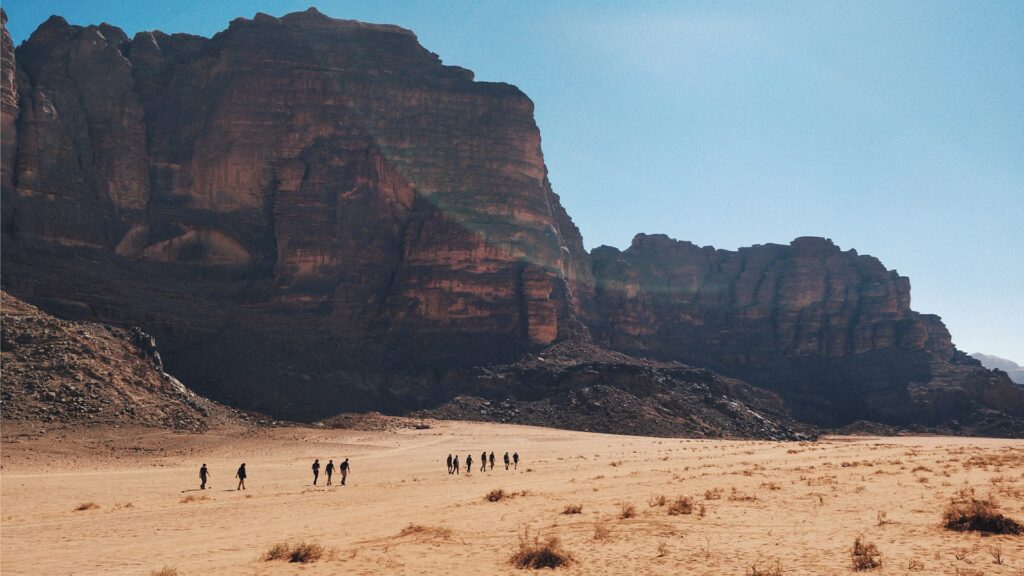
[485, 459]
[204, 473]
[329, 470]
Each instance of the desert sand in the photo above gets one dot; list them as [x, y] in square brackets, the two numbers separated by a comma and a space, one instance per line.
[797, 506]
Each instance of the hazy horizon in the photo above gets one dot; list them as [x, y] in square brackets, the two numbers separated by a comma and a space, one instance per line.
[895, 130]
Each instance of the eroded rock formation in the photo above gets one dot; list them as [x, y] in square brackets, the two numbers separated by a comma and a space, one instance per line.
[315, 215]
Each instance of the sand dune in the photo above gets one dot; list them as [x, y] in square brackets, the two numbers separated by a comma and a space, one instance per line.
[754, 503]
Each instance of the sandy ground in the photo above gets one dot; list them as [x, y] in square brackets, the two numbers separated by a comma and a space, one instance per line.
[797, 505]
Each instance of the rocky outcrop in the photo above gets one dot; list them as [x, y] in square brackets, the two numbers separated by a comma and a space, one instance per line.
[316, 215]
[830, 330]
[1013, 370]
[296, 191]
[56, 371]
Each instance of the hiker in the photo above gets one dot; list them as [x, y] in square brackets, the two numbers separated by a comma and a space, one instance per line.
[241, 477]
[469, 463]
[329, 470]
[203, 473]
[506, 460]
[483, 461]
[455, 464]
[515, 459]
[316, 470]
[449, 463]
[344, 471]
[492, 460]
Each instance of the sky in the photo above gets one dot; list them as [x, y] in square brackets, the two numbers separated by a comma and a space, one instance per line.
[894, 128]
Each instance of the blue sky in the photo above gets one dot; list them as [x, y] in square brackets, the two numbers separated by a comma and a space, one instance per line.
[896, 128]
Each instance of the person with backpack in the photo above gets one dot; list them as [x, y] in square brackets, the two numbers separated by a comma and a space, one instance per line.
[241, 477]
[515, 459]
[483, 461]
[344, 471]
[329, 470]
[316, 470]
[506, 460]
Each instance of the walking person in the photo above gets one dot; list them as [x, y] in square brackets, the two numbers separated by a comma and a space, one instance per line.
[329, 470]
[241, 477]
[316, 470]
[469, 463]
[515, 459]
[449, 463]
[483, 461]
[344, 471]
[455, 464]
[506, 460]
[203, 474]
[492, 460]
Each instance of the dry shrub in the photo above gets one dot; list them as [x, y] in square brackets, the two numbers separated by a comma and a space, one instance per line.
[662, 549]
[865, 555]
[713, 494]
[659, 500]
[166, 571]
[627, 510]
[573, 509]
[997, 554]
[915, 565]
[601, 532]
[883, 518]
[87, 506]
[496, 495]
[772, 570]
[681, 505]
[534, 553]
[427, 531]
[304, 552]
[194, 498]
[967, 512]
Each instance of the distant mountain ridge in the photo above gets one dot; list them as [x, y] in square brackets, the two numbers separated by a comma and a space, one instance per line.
[1014, 370]
[316, 215]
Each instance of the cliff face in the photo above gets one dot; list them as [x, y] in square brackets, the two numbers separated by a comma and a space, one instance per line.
[293, 191]
[831, 330]
[315, 215]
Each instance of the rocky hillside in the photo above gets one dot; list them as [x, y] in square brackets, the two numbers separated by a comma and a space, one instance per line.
[80, 372]
[1013, 370]
[316, 215]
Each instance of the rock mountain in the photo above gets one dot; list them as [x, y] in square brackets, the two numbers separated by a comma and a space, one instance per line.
[314, 215]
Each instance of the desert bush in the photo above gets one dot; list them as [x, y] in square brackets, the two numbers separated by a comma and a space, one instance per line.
[772, 570]
[659, 500]
[194, 498]
[915, 565]
[865, 555]
[496, 495]
[713, 494]
[967, 512]
[166, 571]
[534, 553]
[428, 531]
[601, 532]
[997, 554]
[573, 509]
[662, 549]
[304, 552]
[87, 506]
[681, 505]
[627, 510]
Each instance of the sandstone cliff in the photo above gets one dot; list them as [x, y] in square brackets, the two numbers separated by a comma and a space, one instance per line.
[315, 215]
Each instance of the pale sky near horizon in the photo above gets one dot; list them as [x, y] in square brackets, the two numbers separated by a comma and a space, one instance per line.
[895, 128]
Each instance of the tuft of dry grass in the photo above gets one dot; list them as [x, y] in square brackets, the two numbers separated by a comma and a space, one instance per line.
[87, 506]
[627, 510]
[166, 571]
[535, 553]
[662, 549]
[681, 505]
[573, 509]
[601, 532]
[770, 570]
[302, 551]
[496, 495]
[441, 532]
[713, 494]
[865, 555]
[659, 500]
[882, 518]
[968, 512]
[194, 498]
